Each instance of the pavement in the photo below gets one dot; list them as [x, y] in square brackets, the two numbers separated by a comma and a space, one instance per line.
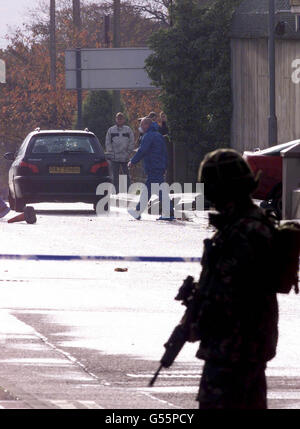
[80, 335]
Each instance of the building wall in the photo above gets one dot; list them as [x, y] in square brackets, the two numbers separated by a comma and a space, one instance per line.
[250, 86]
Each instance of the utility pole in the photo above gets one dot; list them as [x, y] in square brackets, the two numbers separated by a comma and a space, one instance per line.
[117, 44]
[52, 45]
[106, 31]
[273, 127]
[77, 26]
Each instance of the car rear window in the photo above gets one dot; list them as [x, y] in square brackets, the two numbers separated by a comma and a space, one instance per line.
[61, 144]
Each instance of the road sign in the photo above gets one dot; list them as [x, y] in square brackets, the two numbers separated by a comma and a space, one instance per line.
[116, 68]
[295, 6]
[2, 71]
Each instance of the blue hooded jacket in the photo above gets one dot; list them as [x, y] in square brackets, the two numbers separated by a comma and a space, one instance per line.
[153, 150]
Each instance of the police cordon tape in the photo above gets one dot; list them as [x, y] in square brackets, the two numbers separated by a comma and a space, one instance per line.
[99, 258]
[161, 259]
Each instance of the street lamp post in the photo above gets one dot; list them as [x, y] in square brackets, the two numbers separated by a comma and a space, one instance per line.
[273, 128]
[117, 44]
[77, 25]
[53, 44]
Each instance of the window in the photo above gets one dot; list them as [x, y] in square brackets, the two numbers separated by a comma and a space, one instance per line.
[56, 144]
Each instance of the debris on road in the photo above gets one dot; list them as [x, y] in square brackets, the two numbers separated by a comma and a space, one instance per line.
[28, 215]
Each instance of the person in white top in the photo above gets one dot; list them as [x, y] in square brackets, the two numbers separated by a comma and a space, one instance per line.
[119, 144]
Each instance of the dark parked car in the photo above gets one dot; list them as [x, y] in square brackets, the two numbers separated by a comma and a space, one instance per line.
[268, 162]
[57, 166]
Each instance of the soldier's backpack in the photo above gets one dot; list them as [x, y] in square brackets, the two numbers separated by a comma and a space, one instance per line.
[286, 257]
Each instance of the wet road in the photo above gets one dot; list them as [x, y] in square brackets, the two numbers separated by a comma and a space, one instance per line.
[80, 335]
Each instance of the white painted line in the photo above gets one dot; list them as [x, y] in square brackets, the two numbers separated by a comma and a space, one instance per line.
[14, 405]
[160, 400]
[169, 389]
[65, 405]
[285, 394]
[73, 405]
[92, 405]
[165, 375]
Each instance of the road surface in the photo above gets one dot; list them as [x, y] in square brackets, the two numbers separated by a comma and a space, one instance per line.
[79, 335]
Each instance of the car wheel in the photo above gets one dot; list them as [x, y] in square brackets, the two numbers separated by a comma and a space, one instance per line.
[19, 205]
[11, 202]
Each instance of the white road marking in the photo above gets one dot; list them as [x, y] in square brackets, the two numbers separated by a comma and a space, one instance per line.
[62, 404]
[14, 405]
[294, 394]
[92, 405]
[284, 394]
[197, 376]
[170, 404]
[16, 326]
[66, 405]
[169, 389]
[73, 405]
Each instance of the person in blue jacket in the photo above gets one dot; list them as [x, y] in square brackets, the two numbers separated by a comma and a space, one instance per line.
[153, 152]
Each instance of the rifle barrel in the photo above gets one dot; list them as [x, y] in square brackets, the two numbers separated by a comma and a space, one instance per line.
[152, 381]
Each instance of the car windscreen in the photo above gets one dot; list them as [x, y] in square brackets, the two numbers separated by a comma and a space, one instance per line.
[63, 144]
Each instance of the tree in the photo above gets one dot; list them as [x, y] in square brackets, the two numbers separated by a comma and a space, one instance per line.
[98, 113]
[162, 10]
[191, 63]
[157, 10]
[28, 100]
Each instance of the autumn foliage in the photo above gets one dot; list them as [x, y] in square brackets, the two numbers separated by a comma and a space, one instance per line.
[28, 101]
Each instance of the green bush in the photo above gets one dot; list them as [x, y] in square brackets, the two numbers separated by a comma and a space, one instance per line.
[192, 65]
[97, 113]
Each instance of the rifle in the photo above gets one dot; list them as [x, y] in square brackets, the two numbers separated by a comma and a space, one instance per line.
[181, 333]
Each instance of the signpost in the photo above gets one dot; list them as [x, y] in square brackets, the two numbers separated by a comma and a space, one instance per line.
[108, 69]
[295, 6]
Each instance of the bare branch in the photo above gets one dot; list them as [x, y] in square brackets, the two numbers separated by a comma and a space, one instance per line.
[156, 9]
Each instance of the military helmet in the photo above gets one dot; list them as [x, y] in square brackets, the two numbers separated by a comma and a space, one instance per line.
[226, 176]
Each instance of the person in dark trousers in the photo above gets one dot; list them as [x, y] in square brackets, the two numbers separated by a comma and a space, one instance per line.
[154, 153]
[163, 128]
[120, 144]
[237, 313]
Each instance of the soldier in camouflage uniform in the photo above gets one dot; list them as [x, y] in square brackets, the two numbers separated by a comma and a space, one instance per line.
[237, 311]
